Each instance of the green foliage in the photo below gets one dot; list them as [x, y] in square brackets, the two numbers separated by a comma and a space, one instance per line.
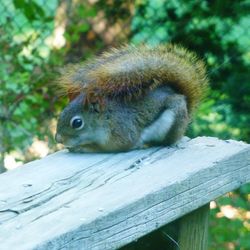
[234, 231]
[24, 99]
[78, 23]
[218, 32]
[31, 10]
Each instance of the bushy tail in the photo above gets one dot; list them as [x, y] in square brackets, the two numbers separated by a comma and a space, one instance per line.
[131, 70]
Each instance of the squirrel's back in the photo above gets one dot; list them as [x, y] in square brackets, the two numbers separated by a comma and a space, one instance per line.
[130, 71]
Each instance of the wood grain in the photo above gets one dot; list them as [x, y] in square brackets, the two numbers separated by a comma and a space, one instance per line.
[104, 201]
[193, 231]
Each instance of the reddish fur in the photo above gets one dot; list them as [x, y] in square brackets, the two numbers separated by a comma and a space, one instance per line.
[130, 71]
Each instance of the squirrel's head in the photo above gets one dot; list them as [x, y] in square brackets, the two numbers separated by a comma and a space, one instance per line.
[81, 128]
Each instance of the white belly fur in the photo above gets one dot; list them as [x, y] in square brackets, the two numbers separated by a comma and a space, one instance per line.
[158, 130]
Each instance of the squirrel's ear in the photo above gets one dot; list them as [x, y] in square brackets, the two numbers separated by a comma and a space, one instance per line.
[72, 96]
[95, 107]
[94, 103]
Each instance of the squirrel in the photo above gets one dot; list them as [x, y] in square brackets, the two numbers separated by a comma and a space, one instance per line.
[130, 98]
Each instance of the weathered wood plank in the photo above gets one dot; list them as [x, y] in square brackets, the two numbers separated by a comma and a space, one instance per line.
[104, 201]
[193, 231]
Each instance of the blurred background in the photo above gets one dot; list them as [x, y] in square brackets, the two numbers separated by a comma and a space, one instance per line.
[38, 37]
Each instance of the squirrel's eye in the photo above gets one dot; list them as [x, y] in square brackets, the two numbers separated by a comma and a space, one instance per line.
[76, 122]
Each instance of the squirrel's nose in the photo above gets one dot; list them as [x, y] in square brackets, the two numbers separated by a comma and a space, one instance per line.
[58, 138]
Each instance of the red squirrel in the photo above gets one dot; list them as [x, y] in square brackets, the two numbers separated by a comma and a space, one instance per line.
[130, 98]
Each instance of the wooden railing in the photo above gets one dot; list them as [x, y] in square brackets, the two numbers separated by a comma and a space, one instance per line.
[105, 201]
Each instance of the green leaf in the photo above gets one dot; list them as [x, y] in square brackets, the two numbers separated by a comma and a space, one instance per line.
[19, 4]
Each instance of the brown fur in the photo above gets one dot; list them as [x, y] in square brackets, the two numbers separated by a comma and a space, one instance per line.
[130, 71]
